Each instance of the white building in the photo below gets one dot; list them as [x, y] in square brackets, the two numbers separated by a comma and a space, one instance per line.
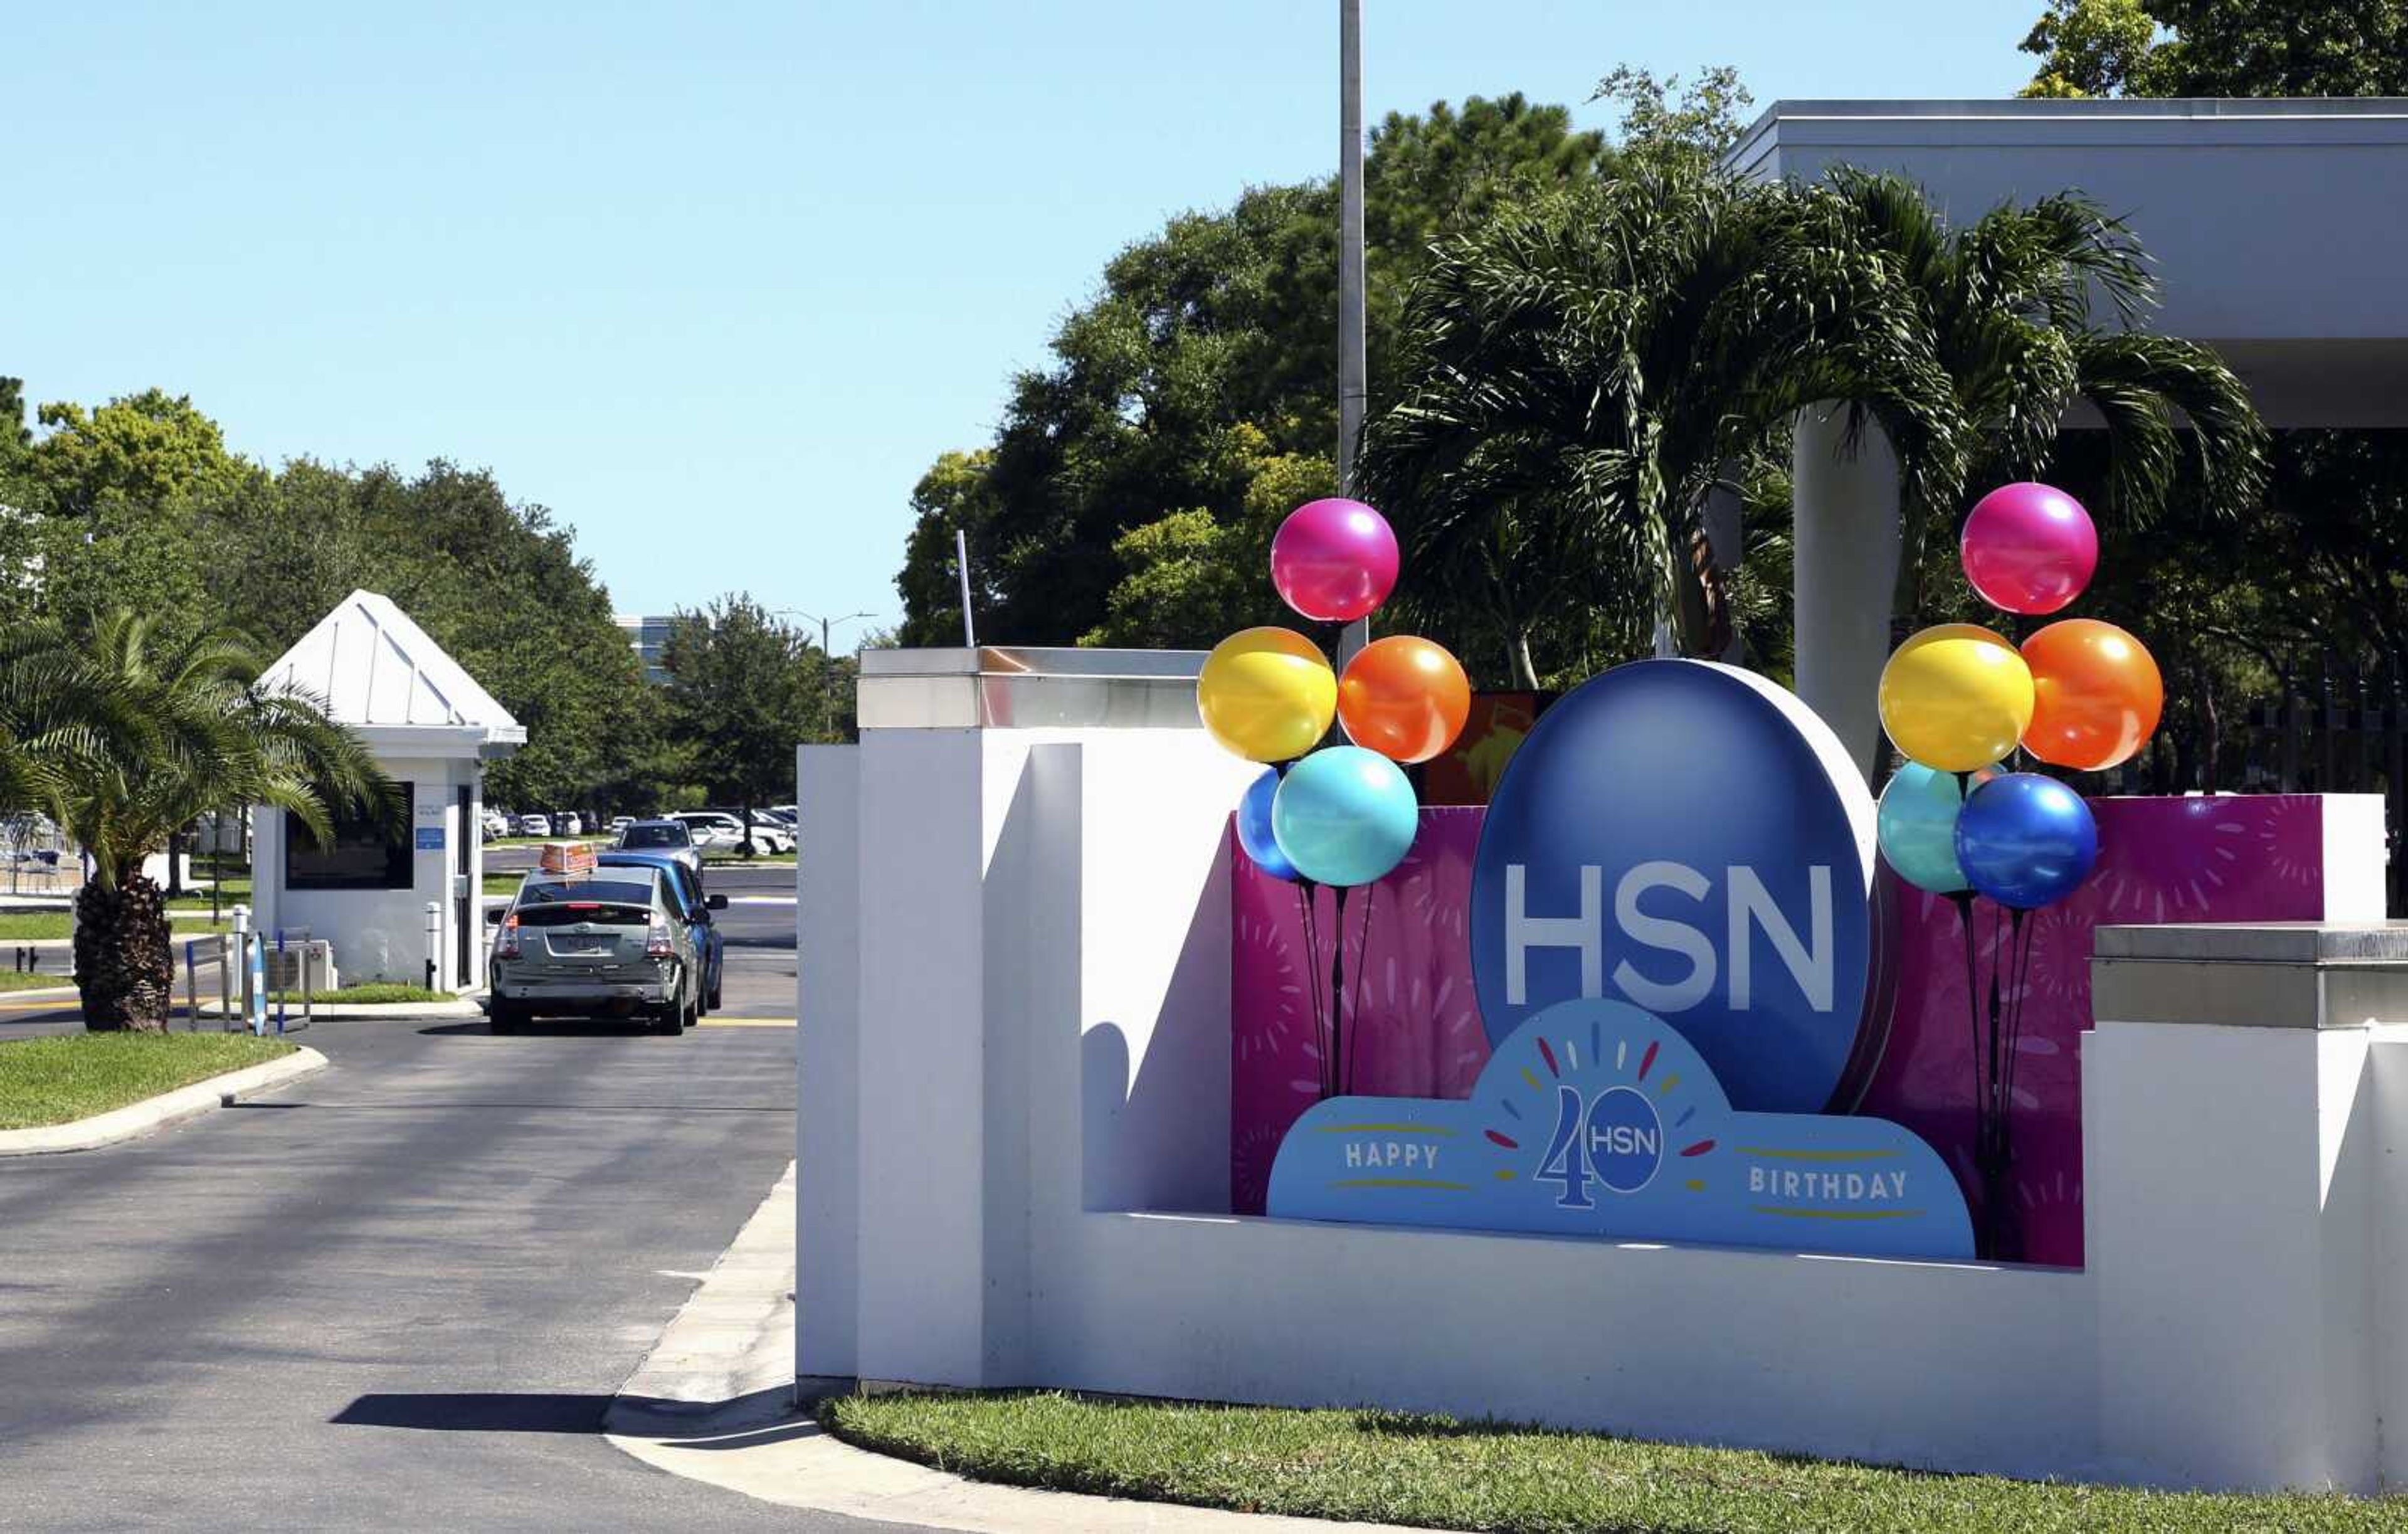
[433, 729]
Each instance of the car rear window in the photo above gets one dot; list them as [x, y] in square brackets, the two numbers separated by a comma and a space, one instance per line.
[656, 836]
[630, 891]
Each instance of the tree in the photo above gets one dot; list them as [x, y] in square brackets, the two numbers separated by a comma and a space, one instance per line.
[2221, 47]
[744, 690]
[1209, 349]
[1702, 120]
[173, 731]
[1589, 366]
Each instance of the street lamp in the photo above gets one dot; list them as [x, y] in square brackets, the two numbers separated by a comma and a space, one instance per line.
[827, 657]
[1353, 374]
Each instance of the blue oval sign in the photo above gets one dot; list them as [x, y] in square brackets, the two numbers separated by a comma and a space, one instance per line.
[1688, 838]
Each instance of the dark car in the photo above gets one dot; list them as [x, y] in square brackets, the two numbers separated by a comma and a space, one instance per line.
[685, 887]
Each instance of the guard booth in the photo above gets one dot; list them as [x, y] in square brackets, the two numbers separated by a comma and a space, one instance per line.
[433, 729]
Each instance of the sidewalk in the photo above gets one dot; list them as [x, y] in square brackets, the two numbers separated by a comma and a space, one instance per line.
[714, 1402]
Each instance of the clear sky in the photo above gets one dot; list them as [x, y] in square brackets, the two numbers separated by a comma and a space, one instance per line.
[715, 283]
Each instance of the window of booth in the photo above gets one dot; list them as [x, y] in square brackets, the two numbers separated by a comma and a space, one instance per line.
[367, 854]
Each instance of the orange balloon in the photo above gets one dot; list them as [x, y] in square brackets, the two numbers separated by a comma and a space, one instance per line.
[1403, 697]
[2096, 694]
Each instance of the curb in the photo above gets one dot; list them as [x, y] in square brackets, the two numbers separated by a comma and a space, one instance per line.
[715, 1401]
[158, 1112]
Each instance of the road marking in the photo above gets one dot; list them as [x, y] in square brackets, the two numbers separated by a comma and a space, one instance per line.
[56, 1004]
[746, 1023]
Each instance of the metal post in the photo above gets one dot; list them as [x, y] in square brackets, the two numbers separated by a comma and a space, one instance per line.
[433, 938]
[225, 983]
[1353, 368]
[280, 972]
[962, 568]
[192, 987]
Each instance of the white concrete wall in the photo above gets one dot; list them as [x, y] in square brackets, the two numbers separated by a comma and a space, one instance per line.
[381, 934]
[1033, 1076]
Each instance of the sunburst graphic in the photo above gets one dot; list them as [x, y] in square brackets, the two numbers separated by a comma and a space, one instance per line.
[1525, 1119]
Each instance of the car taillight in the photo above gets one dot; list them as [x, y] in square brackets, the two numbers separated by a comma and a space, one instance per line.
[505, 942]
[657, 941]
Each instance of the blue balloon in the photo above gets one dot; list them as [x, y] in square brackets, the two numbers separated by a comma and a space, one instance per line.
[1254, 827]
[1918, 828]
[1344, 816]
[2025, 840]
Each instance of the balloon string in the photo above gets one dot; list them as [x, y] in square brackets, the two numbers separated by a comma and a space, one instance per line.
[1304, 898]
[1964, 902]
[1338, 992]
[1362, 970]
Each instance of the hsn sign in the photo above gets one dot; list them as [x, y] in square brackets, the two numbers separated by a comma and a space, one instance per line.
[1692, 839]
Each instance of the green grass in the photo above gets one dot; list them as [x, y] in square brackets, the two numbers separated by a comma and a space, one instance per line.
[503, 883]
[25, 926]
[11, 979]
[1441, 1474]
[73, 1076]
[233, 893]
[372, 993]
[540, 841]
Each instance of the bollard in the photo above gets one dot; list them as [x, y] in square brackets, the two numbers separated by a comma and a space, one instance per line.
[279, 970]
[192, 987]
[225, 983]
[434, 940]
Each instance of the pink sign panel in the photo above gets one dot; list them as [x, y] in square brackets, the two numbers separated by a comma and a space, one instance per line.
[1412, 1026]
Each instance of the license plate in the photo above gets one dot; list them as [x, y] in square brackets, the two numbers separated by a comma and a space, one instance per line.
[584, 944]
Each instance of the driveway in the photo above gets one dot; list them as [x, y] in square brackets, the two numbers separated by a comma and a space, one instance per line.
[399, 1293]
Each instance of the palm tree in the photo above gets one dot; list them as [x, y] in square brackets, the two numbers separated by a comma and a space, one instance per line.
[180, 729]
[2010, 305]
[1586, 369]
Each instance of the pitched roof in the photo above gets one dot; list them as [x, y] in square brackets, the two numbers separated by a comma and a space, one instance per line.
[376, 668]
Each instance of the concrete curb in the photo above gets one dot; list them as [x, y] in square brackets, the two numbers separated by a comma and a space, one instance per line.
[158, 1112]
[714, 1402]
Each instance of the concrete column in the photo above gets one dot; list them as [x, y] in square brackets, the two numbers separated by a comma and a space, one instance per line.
[1846, 542]
[2233, 1154]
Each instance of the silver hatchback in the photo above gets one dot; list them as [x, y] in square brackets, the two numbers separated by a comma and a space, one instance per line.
[607, 943]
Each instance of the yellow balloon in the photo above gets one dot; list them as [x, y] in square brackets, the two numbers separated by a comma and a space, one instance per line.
[1266, 694]
[1956, 698]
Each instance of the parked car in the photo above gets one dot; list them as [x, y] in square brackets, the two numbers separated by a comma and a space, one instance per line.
[668, 838]
[535, 825]
[568, 823]
[781, 835]
[696, 906]
[611, 942]
[718, 828]
[496, 824]
[619, 822]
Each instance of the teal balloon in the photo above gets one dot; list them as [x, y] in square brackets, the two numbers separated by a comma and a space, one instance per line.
[1344, 816]
[1918, 828]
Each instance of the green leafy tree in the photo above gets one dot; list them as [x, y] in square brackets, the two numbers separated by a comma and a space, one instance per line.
[1210, 348]
[1703, 118]
[1588, 368]
[745, 689]
[2221, 47]
[133, 739]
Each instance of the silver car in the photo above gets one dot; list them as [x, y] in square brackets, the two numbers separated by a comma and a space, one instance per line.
[614, 942]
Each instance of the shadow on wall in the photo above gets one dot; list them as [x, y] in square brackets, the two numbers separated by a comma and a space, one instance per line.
[1161, 1141]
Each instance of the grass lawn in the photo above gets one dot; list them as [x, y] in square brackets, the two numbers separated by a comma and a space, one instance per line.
[233, 893]
[503, 883]
[28, 924]
[11, 979]
[372, 993]
[73, 1076]
[1438, 1472]
[541, 842]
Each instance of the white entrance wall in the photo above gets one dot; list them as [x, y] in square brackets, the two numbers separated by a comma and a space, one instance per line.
[1013, 1149]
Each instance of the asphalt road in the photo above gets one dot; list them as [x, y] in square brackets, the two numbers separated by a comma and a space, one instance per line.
[399, 1293]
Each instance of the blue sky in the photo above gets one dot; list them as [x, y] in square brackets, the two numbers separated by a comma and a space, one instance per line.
[716, 282]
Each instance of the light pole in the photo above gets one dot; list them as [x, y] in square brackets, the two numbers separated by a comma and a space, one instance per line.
[1353, 370]
[827, 658]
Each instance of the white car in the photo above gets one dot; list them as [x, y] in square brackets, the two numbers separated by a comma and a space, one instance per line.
[619, 822]
[718, 828]
[781, 835]
[570, 825]
[495, 822]
[535, 825]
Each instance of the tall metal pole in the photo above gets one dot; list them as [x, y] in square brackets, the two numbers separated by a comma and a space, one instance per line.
[1353, 370]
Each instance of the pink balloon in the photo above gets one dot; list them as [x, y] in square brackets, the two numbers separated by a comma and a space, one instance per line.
[1334, 560]
[2029, 548]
